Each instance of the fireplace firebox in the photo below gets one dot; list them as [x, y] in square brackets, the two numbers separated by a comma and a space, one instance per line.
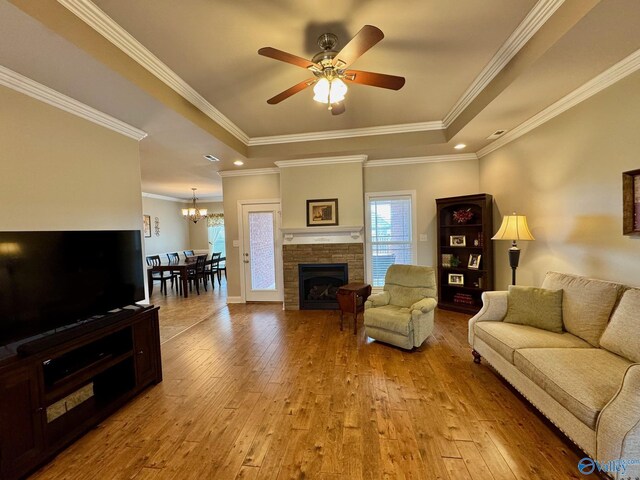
[319, 283]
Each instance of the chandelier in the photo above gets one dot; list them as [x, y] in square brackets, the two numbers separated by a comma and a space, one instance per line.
[194, 213]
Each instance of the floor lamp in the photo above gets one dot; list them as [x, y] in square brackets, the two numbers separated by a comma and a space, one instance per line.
[514, 227]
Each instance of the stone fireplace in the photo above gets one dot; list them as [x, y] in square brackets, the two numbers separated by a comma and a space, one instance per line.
[317, 258]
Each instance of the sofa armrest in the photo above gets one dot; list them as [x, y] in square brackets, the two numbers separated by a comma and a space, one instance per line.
[425, 305]
[618, 427]
[378, 300]
[494, 309]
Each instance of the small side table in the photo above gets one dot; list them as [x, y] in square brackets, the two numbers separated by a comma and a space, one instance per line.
[351, 298]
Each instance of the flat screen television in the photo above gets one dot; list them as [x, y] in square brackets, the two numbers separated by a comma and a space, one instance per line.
[50, 280]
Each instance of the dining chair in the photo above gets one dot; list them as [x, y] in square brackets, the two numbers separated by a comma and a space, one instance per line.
[154, 260]
[212, 268]
[188, 253]
[222, 267]
[173, 257]
[197, 273]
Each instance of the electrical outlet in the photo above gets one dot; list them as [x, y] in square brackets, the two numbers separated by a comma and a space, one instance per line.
[423, 237]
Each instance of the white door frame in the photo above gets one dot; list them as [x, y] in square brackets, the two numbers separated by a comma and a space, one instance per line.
[241, 226]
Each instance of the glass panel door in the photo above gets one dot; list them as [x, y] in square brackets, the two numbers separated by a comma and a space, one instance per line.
[262, 247]
[262, 256]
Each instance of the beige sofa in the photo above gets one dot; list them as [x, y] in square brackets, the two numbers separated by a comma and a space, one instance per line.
[586, 380]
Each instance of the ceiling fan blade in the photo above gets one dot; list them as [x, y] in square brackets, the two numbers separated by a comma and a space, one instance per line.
[337, 108]
[287, 57]
[291, 91]
[375, 79]
[366, 38]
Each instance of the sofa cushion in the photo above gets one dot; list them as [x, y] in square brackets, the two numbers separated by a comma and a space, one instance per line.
[537, 307]
[506, 338]
[586, 304]
[389, 317]
[582, 380]
[622, 335]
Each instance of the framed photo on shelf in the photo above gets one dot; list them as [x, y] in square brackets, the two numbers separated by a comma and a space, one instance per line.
[146, 222]
[457, 241]
[474, 261]
[456, 279]
[322, 212]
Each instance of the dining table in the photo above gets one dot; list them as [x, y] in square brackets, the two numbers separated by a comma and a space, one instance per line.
[181, 266]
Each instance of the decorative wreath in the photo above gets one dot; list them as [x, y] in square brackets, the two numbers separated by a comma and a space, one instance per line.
[462, 216]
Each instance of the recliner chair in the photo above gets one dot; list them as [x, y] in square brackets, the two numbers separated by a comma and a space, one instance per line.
[402, 314]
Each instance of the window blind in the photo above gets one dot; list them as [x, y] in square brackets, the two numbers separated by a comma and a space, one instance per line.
[391, 234]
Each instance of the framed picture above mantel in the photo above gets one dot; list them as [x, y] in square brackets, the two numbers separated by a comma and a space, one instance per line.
[322, 212]
[631, 202]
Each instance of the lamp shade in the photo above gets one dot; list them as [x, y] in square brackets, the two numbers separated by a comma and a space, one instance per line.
[514, 227]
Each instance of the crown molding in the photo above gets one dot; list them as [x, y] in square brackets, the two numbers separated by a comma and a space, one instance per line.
[347, 133]
[97, 19]
[392, 162]
[164, 197]
[45, 94]
[307, 162]
[249, 171]
[617, 72]
[535, 19]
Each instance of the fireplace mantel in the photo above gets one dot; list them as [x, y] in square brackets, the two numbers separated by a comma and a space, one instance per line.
[323, 234]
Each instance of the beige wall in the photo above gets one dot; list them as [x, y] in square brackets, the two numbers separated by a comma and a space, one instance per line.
[565, 176]
[174, 229]
[198, 234]
[60, 172]
[341, 181]
[430, 181]
[254, 187]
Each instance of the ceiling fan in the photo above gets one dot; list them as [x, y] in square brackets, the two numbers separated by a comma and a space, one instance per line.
[331, 69]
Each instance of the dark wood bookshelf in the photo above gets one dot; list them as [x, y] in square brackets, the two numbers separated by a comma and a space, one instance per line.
[478, 230]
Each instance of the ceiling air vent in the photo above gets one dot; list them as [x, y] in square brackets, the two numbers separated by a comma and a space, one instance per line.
[211, 158]
[496, 134]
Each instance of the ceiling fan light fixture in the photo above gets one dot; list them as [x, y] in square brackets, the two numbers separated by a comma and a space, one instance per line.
[329, 91]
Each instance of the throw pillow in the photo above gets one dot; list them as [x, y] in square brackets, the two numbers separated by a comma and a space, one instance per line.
[622, 334]
[586, 304]
[536, 307]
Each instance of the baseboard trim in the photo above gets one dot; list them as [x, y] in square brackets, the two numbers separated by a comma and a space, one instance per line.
[235, 300]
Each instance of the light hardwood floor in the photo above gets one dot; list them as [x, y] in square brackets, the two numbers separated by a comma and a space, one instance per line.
[253, 392]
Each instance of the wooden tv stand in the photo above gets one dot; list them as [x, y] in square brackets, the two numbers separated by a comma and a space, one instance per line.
[51, 397]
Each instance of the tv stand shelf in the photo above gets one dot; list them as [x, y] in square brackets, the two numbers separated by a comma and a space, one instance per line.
[71, 383]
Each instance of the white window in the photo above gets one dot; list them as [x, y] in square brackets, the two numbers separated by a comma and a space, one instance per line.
[390, 232]
[216, 239]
